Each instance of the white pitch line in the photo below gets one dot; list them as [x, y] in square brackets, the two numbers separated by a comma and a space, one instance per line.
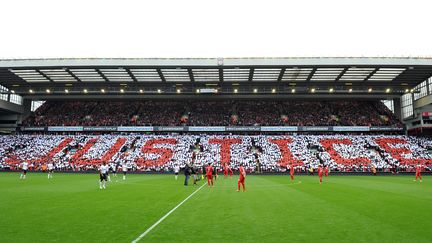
[166, 215]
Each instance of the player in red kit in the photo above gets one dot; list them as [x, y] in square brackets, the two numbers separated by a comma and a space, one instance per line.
[418, 172]
[291, 172]
[320, 173]
[230, 171]
[225, 171]
[209, 174]
[242, 178]
[326, 171]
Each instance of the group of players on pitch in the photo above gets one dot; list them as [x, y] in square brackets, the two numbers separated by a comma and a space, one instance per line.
[105, 170]
[210, 173]
[49, 167]
[322, 171]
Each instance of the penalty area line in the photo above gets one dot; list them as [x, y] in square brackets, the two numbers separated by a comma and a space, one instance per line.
[166, 215]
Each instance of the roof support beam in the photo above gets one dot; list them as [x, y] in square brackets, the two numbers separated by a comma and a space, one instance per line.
[341, 74]
[251, 73]
[281, 74]
[161, 75]
[131, 74]
[221, 77]
[371, 74]
[45, 76]
[73, 75]
[102, 75]
[311, 74]
[191, 76]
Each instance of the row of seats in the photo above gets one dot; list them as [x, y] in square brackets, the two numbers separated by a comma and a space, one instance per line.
[212, 113]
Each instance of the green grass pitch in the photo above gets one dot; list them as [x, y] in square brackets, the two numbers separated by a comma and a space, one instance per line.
[71, 208]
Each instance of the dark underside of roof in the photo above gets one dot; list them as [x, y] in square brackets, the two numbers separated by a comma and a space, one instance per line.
[224, 78]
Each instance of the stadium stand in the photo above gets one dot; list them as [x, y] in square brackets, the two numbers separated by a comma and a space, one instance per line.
[271, 153]
[213, 113]
[219, 111]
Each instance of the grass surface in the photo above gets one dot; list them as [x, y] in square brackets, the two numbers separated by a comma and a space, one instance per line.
[71, 208]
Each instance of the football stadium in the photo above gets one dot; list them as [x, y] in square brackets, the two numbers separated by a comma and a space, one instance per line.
[228, 121]
[275, 149]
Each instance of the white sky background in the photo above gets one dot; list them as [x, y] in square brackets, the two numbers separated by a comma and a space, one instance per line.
[222, 28]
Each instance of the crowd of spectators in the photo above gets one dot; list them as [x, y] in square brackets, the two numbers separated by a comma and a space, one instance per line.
[261, 152]
[212, 113]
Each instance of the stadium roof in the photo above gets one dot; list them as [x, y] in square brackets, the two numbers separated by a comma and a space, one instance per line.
[28, 77]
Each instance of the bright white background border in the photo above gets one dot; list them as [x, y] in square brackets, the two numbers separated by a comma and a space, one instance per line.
[223, 28]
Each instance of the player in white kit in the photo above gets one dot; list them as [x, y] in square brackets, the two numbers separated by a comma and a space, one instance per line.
[50, 168]
[24, 167]
[125, 169]
[176, 171]
[114, 169]
[103, 171]
[108, 172]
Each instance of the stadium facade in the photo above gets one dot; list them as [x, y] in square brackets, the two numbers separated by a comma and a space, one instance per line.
[404, 84]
